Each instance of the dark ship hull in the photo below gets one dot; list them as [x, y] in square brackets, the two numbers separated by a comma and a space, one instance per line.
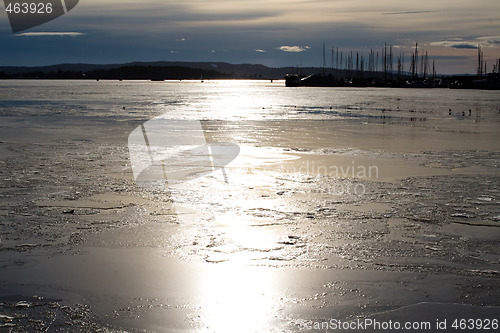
[314, 80]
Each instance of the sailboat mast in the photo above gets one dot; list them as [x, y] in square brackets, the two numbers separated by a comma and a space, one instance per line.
[324, 58]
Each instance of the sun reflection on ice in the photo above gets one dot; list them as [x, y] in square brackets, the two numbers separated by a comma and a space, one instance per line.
[238, 298]
[238, 100]
[241, 232]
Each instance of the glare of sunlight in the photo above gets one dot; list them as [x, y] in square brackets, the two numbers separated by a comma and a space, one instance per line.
[238, 100]
[239, 230]
[238, 299]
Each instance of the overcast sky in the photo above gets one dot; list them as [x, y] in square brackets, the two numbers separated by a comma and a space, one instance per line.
[271, 32]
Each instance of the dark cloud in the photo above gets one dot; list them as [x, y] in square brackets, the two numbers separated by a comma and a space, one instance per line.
[464, 46]
[53, 34]
[491, 41]
[413, 12]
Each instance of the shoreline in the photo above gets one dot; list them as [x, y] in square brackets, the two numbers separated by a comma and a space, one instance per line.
[459, 82]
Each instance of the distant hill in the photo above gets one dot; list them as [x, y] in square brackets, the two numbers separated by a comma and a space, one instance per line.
[151, 70]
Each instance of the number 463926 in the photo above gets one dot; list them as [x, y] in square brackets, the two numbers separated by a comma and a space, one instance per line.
[475, 324]
[29, 8]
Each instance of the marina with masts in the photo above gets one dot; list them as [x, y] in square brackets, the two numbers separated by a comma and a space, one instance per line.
[383, 68]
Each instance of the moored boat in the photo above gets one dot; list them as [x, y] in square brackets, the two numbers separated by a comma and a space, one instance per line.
[292, 80]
